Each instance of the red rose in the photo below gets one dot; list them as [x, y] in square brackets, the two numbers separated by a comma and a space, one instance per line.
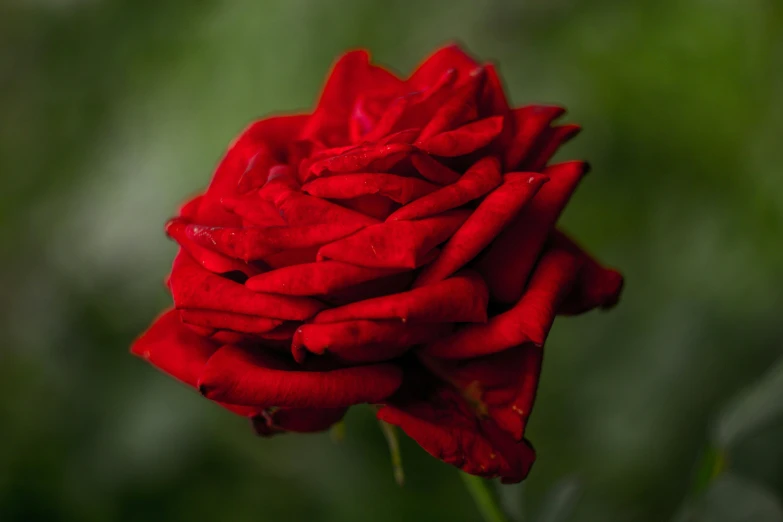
[395, 247]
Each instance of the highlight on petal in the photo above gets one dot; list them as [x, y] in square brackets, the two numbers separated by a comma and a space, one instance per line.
[596, 286]
[271, 421]
[253, 377]
[462, 298]
[492, 215]
[528, 321]
[321, 278]
[463, 140]
[510, 258]
[401, 189]
[482, 177]
[396, 244]
[364, 340]
[195, 288]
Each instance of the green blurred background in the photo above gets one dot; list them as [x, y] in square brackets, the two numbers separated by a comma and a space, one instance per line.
[112, 112]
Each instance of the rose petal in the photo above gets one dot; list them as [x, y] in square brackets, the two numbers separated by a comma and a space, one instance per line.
[297, 420]
[501, 386]
[364, 340]
[229, 321]
[195, 288]
[368, 158]
[300, 209]
[547, 144]
[274, 133]
[209, 259]
[396, 244]
[462, 298]
[175, 350]
[482, 177]
[449, 57]
[528, 321]
[254, 211]
[509, 259]
[529, 123]
[318, 278]
[596, 286]
[460, 108]
[401, 189]
[484, 224]
[350, 76]
[256, 243]
[437, 417]
[433, 170]
[465, 139]
[257, 378]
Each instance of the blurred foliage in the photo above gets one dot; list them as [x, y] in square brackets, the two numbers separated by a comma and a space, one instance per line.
[113, 111]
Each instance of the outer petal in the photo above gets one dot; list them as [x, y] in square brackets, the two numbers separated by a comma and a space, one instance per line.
[461, 298]
[595, 286]
[319, 278]
[261, 379]
[484, 224]
[364, 340]
[511, 256]
[173, 348]
[437, 417]
[397, 244]
[195, 288]
[300, 420]
[482, 177]
[177, 351]
[528, 321]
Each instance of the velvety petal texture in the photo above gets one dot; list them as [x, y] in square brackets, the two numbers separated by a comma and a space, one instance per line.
[394, 246]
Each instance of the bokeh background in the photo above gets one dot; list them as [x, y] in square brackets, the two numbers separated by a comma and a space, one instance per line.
[113, 111]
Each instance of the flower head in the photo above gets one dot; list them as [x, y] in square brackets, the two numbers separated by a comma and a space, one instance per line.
[396, 246]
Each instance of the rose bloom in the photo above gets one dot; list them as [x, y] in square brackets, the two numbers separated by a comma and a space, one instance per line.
[396, 246]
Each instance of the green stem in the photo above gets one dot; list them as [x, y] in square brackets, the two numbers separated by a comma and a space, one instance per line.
[485, 499]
